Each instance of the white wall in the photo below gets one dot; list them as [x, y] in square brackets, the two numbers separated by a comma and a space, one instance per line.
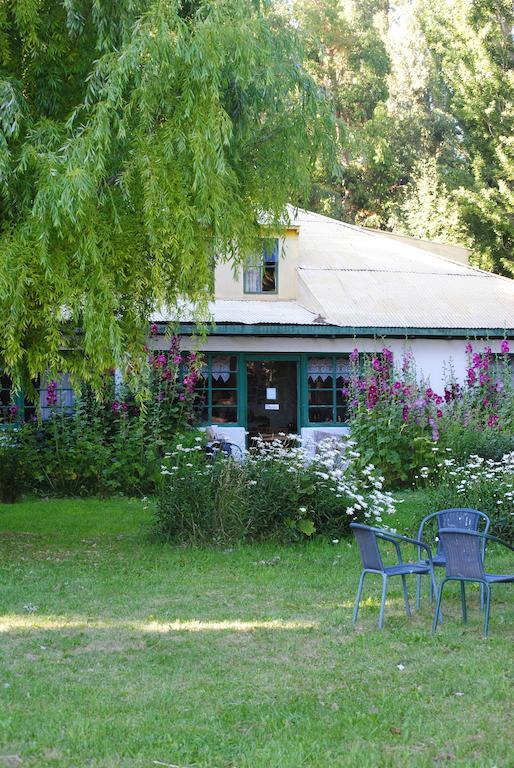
[430, 355]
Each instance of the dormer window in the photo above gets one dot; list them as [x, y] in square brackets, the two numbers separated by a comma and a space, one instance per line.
[261, 270]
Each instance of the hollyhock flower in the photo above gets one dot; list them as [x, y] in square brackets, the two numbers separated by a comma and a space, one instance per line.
[499, 386]
[439, 414]
[471, 377]
[504, 348]
[124, 407]
[182, 397]
[405, 413]
[376, 364]
[345, 391]
[477, 360]
[116, 406]
[153, 329]
[13, 410]
[483, 378]
[485, 402]
[354, 356]
[160, 396]
[469, 348]
[492, 420]
[372, 396]
[176, 359]
[448, 395]
[388, 355]
[397, 385]
[406, 391]
[438, 400]
[161, 360]
[429, 392]
[51, 393]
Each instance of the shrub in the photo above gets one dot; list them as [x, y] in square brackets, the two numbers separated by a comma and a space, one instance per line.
[112, 442]
[11, 469]
[479, 483]
[474, 439]
[274, 493]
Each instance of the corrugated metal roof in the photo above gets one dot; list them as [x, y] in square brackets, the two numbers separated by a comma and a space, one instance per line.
[247, 312]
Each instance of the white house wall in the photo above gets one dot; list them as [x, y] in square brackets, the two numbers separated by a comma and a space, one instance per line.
[431, 355]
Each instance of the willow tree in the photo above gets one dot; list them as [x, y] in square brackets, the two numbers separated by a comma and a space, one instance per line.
[137, 140]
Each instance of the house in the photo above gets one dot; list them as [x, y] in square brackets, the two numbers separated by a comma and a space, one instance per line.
[283, 328]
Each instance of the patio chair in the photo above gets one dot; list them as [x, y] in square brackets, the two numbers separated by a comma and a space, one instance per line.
[456, 517]
[367, 539]
[465, 562]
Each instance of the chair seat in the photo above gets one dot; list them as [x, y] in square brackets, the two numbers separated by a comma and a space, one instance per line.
[405, 568]
[495, 578]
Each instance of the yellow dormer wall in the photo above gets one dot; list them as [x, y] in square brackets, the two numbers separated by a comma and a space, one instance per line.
[229, 285]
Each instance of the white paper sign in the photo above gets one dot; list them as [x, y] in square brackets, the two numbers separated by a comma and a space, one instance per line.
[271, 406]
[271, 393]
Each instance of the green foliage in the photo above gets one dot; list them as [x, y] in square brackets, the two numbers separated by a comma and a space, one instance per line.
[109, 443]
[138, 139]
[482, 484]
[467, 440]
[274, 494]
[423, 91]
[11, 470]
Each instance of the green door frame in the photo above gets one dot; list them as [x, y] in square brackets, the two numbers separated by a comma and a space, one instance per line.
[286, 357]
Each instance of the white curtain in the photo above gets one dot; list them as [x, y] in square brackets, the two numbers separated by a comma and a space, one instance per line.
[221, 368]
[323, 367]
[253, 279]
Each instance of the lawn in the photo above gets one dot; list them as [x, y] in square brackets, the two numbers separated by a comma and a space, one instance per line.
[116, 650]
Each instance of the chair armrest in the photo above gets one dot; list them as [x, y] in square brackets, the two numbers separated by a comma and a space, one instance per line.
[396, 538]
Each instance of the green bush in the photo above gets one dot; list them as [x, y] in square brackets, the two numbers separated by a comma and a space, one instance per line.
[275, 493]
[473, 439]
[12, 470]
[479, 483]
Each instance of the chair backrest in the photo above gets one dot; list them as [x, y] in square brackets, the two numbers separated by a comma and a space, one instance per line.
[367, 541]
[463, 550]
[463, 518]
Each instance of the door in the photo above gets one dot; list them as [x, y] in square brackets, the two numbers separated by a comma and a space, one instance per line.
[272, 404]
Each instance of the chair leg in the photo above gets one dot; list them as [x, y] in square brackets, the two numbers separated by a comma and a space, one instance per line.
[358, 599]
[463, 602]
[487, 590]
[438, 607]
[406, 596]
[383, 602]
[433, 590]
[418, 592]
[482, 604]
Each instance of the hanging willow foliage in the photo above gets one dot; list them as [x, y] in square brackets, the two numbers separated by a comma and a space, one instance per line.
[137, 140]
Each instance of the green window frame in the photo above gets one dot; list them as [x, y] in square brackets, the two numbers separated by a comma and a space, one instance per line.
[324, 401]
[219, 398]
[260, 273]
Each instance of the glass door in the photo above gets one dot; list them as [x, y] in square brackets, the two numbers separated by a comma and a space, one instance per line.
[272, 397]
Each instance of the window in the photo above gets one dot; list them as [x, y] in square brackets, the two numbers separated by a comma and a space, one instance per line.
[14, 408]
[327, 388]
[261, 271]
[216, 390]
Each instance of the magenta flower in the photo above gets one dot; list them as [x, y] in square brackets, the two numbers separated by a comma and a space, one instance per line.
[161, 360]
[13, 410]
[505, 349]
[397, 385]
[354, 356]
[182, 397]
[124, 407]
[430, 392]
[116, 406]
[405, 413]
[439, 414]
[471, 377]
[492, 420]
[372, 396]
[469, 348]
[153, 329]
[388, 355]
[176, 359]
[376, 364]
[51, 393]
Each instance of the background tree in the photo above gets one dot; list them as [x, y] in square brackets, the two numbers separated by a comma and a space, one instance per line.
[138, 139]
[424, 96]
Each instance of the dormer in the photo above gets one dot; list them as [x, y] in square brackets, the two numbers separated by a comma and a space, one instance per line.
[269, 274]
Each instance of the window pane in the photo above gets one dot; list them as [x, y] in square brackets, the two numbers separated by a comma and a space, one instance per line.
[320, 414]
[321, 397]
[342, 413]
[224, 414]
[320, 371]
[224, 371]
[269, 281]
[253, 279]
[224, 397]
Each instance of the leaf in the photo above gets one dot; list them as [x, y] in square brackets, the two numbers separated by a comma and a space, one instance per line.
[306, 526]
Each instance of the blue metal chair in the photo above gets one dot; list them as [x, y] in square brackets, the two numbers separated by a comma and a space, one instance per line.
[456, 517]
[465, 562]
[367, 539]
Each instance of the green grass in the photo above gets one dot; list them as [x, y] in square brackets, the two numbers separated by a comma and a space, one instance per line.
[141, 654]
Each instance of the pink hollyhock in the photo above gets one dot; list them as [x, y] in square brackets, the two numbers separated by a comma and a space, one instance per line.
[405, 413]
[505, 349]
[153, 329]
[116, 406]
[439, 414]
[469, 348]
[397, 385]
[354, 356]
[492, 420]
[376, 364]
